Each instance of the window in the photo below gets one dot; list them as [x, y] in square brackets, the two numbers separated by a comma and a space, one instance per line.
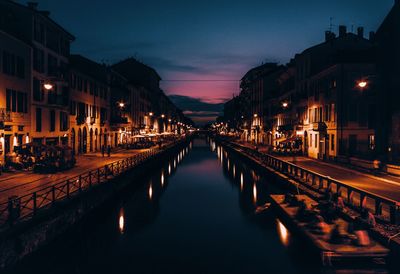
[311, 140]
[327, 113]
[38, 93]
[38, 60]
[371, 142]
[52, 120]
[38, 119]
[332, 142]
[52, 65]
[72, 108]
[8, 99]
[8, 63]
[20, 69]
[316, 140]
[333, 112]
[38, 31]
[80, 83]
[16, 101]
[20, 102]
[63, 121]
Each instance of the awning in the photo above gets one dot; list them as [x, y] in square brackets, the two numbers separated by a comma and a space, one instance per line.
[291, 139]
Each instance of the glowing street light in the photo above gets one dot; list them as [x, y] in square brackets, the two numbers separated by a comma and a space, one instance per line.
[285, 104]
[255, 115]
[151, 113]
[48, 86]
[121, 104]
[163, 116]
[362, 84]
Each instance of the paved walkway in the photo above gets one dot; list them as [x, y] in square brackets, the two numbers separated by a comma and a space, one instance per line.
[24, 182]
[383, 184]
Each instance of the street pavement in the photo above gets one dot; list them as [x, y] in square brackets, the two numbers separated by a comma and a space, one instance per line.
[19, 183]
[382, 184]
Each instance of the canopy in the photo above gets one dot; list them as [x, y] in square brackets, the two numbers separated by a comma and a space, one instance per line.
[291, 139]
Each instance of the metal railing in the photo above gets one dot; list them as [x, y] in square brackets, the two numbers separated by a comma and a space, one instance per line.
[356, 198]
[20, 208]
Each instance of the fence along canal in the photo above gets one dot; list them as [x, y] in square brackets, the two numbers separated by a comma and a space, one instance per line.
[26, 207]
[384, 208]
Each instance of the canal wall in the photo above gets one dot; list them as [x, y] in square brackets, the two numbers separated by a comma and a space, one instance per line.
[23, 239]
[385, 233]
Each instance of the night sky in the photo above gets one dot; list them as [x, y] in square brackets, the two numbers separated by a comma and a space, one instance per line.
[206, 40]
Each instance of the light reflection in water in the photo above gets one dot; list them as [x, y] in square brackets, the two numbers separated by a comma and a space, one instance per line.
[254, 193]
[169, 169]
[228, 164]
[241, 181]
[162, 178]
[150, 191]
[121, 221]
[234, 172]
[174, 163]
[284, 234]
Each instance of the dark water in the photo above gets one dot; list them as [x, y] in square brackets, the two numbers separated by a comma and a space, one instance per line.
[194, 214]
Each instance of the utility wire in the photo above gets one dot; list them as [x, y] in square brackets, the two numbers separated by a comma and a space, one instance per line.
[202, 80]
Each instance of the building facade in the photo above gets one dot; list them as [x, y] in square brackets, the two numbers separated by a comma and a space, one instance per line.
[89, 105]
[15, 96]
[50, 52]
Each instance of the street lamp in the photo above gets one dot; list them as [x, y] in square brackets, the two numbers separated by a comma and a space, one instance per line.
[255, 115]
[362, 84]
[151, 113]
[48, 86]
[163, 116]
[285, 104]
[121, 104]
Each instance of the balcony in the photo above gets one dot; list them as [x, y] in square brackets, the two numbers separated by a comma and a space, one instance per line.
[5, 115]
[320, 127]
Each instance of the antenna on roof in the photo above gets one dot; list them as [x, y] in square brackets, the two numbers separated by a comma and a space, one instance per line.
[330, 24]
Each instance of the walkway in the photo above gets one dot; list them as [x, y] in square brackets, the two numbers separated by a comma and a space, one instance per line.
[22, 182]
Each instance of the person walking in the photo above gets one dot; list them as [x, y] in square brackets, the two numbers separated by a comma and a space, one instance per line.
[108, 150]
[103, 150]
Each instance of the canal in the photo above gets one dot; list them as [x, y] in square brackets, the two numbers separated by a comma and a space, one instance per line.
[201, 211]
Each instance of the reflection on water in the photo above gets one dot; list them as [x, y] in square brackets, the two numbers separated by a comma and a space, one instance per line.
[121, 221]
[162, 178]
[241, 182]
[255, 194]
[150, 191]
[284, 234]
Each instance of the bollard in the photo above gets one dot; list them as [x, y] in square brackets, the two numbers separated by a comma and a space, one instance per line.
[14, 209]
[53, 195]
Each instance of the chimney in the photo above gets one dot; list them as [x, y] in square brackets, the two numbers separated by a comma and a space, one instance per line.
[342, 30]
[360, 32]
[371, 35]
[329, 36]
[33, 5]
